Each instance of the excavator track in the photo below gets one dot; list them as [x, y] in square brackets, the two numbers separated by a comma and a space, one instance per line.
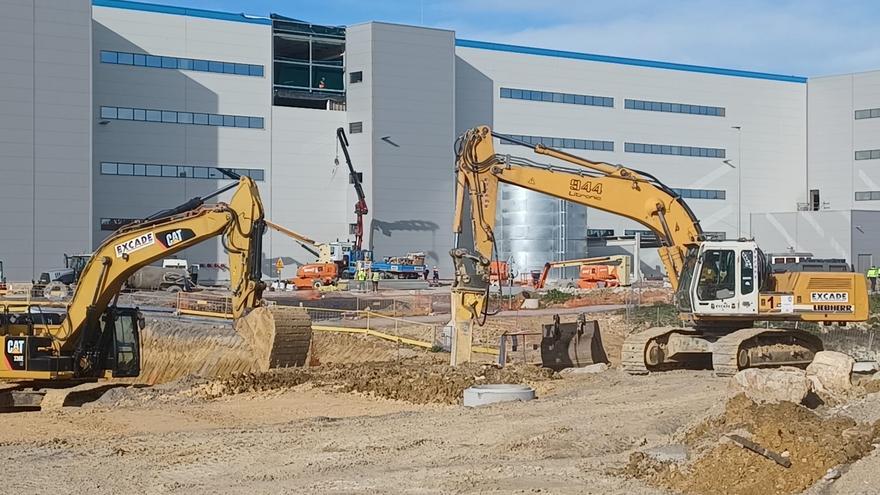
[762, 347]
[293, 337]
[632, 357]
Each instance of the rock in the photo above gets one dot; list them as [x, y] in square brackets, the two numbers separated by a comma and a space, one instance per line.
[785, 384]
[832, 474]
[586, 370]
[530, 304]
[865, 367]
[833, 370]
[676, 453]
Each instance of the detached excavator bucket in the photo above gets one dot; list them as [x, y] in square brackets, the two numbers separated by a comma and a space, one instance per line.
[571, 345]
[280, 336]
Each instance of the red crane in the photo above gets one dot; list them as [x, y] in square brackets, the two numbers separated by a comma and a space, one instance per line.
[360, 208]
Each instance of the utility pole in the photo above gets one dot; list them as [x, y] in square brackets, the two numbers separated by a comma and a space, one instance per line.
[738, 168]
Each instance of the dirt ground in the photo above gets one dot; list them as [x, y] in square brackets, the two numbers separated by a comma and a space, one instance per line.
[375, 417]
[309, 439]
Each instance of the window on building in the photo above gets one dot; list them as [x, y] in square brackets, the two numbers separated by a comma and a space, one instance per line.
[174, 117]
[355, 127]
[700, 193]
[658, 106]
[660, 149]
[178, 63]
[570, 143]
[309, 63]
[646, 234]
[356, 77]
[867, 195]
[868, 113]
[868, 155]
[176, 171]
[600, 233]
[553, 97]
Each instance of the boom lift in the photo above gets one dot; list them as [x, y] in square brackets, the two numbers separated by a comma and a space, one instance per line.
[618, 276]
[721, 287]
[97, 339]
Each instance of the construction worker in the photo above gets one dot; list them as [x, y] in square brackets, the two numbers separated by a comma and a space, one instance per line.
[872, 277]
[436, 277]
[375, 279]
[361, 277]
[427, 272]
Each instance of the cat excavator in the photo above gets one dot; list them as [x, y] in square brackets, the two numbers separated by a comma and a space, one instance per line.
[721, 288]
[91, 337]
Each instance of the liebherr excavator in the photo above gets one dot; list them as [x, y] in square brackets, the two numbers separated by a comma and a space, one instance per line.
[721, 287]
[97, 339]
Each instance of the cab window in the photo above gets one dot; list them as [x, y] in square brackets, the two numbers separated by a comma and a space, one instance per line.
[717, 275]
[747, 272]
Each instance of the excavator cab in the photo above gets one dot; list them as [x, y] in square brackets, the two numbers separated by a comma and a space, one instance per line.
[720, 278]
[123, 355]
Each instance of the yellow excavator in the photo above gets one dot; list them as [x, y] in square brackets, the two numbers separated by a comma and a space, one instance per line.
[95, 338]
[722, 288]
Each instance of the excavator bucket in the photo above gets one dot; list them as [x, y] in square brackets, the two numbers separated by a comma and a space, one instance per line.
[267, 337]
[280, 336]
[571, 345]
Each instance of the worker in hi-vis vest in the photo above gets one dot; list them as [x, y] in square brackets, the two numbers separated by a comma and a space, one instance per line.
[361, 277]
[872, 277]
[375, 279]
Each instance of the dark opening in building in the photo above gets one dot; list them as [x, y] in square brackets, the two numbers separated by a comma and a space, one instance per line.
[308, 63]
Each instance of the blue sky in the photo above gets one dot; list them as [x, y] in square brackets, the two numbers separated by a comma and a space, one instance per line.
[807, 37]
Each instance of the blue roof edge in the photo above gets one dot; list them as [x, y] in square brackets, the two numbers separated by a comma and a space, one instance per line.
[168, 9]
[501, 47]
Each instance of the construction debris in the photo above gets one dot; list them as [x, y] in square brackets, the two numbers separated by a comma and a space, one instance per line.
[769, 454]
[586, 370]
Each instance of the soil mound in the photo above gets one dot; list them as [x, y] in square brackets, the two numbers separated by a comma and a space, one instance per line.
[813, 444]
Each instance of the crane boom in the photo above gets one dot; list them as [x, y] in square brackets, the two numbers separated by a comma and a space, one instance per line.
[360, 208]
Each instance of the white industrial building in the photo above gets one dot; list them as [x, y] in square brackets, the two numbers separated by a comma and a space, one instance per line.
[111, 110]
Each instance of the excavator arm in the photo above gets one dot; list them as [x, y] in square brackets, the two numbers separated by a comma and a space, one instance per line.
[612, 188]
[240, 223]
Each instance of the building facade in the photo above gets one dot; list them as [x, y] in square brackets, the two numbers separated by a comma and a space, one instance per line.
[155, 98]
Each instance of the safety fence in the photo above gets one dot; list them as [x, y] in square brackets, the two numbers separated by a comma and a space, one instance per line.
[395, 329]
[520, 348]
[217, 305]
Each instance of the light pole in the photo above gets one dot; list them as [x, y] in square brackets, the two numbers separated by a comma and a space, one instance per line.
[738, 168]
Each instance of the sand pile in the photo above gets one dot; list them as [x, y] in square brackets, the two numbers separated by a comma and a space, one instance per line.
[813, 443]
